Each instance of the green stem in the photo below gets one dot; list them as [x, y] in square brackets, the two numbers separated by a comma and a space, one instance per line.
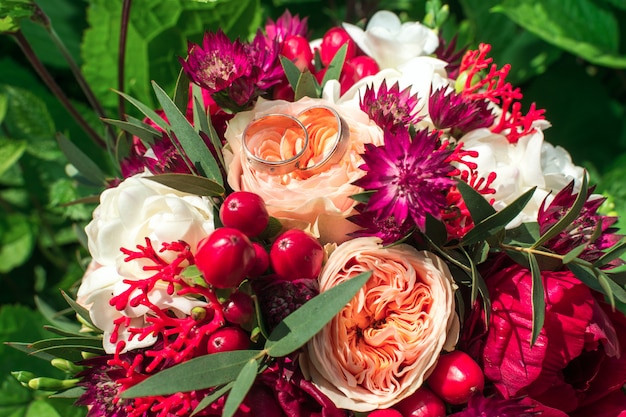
[121, 61]
[54, 87]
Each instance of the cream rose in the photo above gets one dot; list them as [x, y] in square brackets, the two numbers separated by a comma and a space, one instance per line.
[385, 342]
[320, 203]
[139, 208]
[531, 162]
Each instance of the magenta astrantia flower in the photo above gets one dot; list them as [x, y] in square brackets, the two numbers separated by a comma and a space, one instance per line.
[102, 389]
[446, 52]
[410, 176]
[387, 229]
[583, 229]
[286, 25]
[234, 73]
[390, 107]
[449, 110]
[480, 406]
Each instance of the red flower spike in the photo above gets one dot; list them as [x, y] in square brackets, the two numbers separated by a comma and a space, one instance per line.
[493, 87]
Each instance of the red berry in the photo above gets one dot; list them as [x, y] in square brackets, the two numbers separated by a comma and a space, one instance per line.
[363, 66]
[296, 254]
[245, 211]
[225, 257]
[261, 261]
[283, 91]
[298, 50]
[390, 412]
[332, 41]
[227, 339]
[456, 377]
[239, 308]
[422, 403]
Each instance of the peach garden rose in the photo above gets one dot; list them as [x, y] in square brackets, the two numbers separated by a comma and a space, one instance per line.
[319, 203]
[384, 343]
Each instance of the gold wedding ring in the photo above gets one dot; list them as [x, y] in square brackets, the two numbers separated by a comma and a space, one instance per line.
[309, 142]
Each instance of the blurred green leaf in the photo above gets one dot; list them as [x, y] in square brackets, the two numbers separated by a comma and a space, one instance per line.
[192, 184]
[582, 27]
[85, 165]
[10, 152]
[12, 12]
[17, 240]
[538, 298]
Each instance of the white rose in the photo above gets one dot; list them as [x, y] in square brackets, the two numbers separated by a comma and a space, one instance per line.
[531, 162]
[391, 42]
[140, 208]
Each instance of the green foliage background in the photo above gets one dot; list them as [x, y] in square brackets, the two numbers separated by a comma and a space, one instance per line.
[568, 56]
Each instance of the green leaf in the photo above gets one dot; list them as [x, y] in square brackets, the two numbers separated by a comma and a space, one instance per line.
[566, 220]
[240, 388]
[523, 235]
[10, 153]
[292, 72]
[191, 184]
[54, 317]
[307, 86]
[573, 254]
[181, 91]
[192, 144]
[476, 203]
[143, 131]
[496, 222]
[301, 325]
[612, 253]
[333, 71]
[211, 398]
[12, 12]
[436, 231]
[87, 342]
[17, 240]
[199, 373]
[81, 161]
[582, 27]
[145, 110]
[478, 286]
[538, 299]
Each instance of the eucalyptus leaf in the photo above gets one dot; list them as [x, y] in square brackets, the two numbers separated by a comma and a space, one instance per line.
[75, 392]
[146, 110]
[574, 253]
[333, 71]
[87, 342]
[143, 131]
[566, 220]
[72, 353]
[64, 333]
[496, 222]
[79, 309]
[307, 86]
[211, 398]
[181, 91]
[192, 144]
[478, 206]
[612, 253]
[523, 235]
[55, 318]
[478, 285]
[199, 373]
[436, 230]
[26, 348]
[292, 72]
[538, 298]
[298, 327]
[240, 388]
[191, 184]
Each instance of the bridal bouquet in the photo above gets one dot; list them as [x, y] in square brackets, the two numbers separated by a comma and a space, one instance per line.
[366, 224]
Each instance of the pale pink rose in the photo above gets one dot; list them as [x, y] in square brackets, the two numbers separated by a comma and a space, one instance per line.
[320, 203]
[384, 343]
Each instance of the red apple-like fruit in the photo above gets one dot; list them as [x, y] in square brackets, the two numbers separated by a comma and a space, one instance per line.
[226, 339]
[225, 257]
[238, 308]
[296, 254]
[390, 412]
[298, 50]
[246, 212]
[456, 377]
[422, 403]
[261, 261]
[332, 41]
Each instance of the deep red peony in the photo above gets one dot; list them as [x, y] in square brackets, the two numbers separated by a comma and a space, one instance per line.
[579, 359]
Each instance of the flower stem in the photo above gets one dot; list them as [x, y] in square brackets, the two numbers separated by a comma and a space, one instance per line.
[55, 88]
[122, 56]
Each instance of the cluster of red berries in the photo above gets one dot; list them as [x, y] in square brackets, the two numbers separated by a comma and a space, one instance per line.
[355, 67]
[233, 253]
[454, 380]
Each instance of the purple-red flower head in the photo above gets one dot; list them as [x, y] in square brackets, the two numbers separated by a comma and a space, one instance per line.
[390, 107]
[286, 25]
[449, 110]
[410, 176]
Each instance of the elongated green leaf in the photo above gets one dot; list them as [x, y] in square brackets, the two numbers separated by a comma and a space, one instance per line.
[582, 27]
[478, 206]
[72, 353]
[301, 325]
[54, 317]
[143, 131]
[478, 286]
[191, 184]
[199, 373]
[614, 252]
[604, 282]
[573, 254]
[523, 235]
[307, 86]
[81, 161]
[67, 341]
[26, 348]
[181, 91]
[496, 222]
[538, 299]
[10, 153]
[70, 393]
[211, 398]
[80, 310]
[192, 144]
[436, 230]
[333, 71]
[240, 388]
[145, 110]
[65, 333]
[617, 290]
[292, 72]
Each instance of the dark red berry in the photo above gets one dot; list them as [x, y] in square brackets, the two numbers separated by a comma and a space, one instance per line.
[390, 412]
[239, 308]
[225, 257]
[363, 66]
[226, 339]
[332, 41]
[298, 50]
[246, 212]
[456, 377]
[296, 254]
[422, 403]
[261, 261]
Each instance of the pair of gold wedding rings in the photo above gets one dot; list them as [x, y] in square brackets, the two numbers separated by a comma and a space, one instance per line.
[309, 142]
